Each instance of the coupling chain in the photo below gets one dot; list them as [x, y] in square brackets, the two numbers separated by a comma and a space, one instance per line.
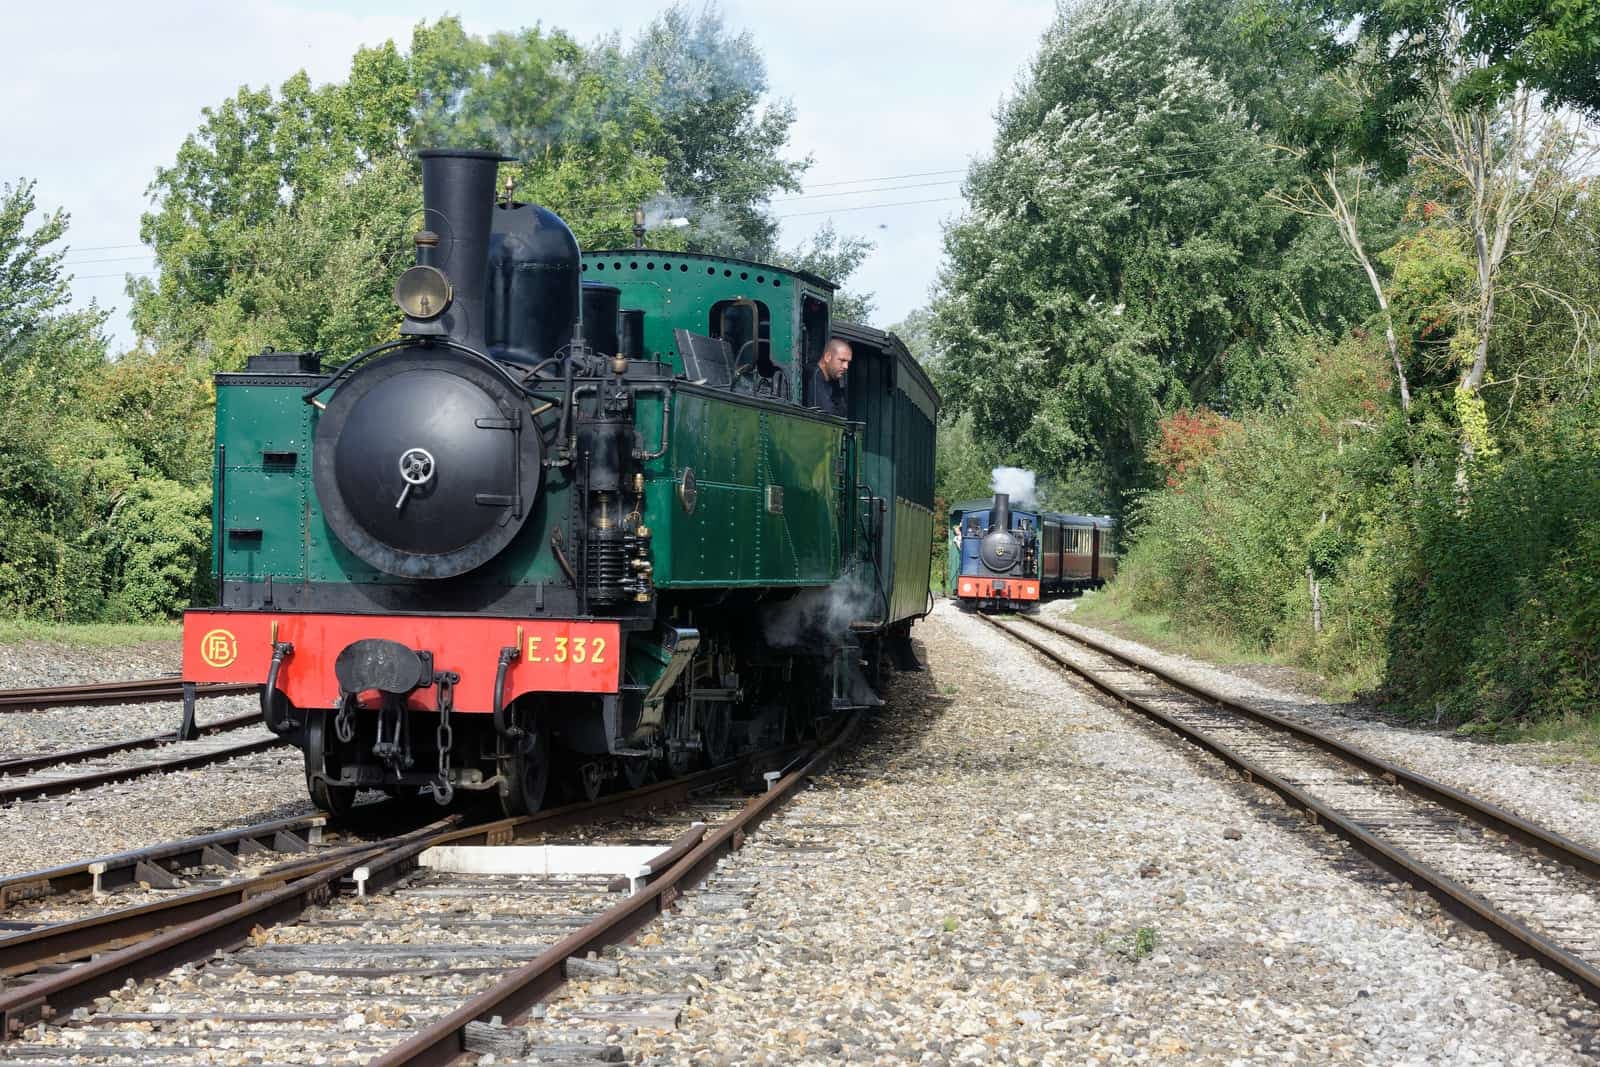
[344, 727]
[443, 791]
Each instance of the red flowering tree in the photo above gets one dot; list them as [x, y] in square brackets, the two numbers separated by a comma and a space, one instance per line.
[1185, 438]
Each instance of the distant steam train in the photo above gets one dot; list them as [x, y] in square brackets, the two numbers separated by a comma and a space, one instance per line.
[577, 520]
[1005, 559]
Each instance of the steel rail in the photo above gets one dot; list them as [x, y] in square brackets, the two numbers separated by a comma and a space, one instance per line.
[691, 857]
[18, 791]
[162, 942]
[1456, 898]
[47, 997]
[38, 761]
[94, 694]
[120, 869]
[63, 942]
[1562, 849]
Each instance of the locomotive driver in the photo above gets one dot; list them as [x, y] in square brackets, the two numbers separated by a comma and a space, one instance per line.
[827, 378]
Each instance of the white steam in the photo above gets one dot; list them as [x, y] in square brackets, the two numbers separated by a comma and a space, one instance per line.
[816, 619]
[1020, 485]
[709, 222]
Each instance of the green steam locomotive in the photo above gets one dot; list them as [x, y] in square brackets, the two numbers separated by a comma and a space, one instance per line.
[578, 522]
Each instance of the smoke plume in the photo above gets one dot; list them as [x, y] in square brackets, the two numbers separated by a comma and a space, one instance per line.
[816, 619]
[1016, 483]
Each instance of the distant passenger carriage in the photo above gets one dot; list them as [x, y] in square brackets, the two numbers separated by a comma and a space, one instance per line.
[1077, 552]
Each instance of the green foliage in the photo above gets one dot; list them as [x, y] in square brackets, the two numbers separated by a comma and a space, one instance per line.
[44, 346]
[720, 145]
[916, 333]
[160, 408]
[1498, 607]
[286, 215]
[834, 256]
[1553, 47]
[159, 541]
[962, 469]
[1227, 550]
[1121, 258]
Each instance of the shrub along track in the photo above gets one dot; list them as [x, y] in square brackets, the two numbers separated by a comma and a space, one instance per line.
[518, 963]
[1531, 889]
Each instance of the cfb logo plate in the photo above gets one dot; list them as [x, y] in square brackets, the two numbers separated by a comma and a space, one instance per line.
[219, 648]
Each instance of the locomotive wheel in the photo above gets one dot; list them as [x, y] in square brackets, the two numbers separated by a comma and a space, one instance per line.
[715, 734]
[527, 777]
[333, 799]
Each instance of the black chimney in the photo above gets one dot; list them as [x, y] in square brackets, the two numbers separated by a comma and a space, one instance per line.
[1000, 517]
[458, 191]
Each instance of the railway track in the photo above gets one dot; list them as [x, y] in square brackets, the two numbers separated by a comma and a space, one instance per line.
[37, 776]
[95, 694]
[13, 765]
[358, 952]
[1533, 890]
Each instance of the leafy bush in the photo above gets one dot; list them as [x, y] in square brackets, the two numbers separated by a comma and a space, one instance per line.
[161, 540]
[1255, 505]
[1498, 611]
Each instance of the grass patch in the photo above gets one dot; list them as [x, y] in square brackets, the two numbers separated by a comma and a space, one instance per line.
[1159, 632]
[1577, 735]
[1109, 612]
[89, 634]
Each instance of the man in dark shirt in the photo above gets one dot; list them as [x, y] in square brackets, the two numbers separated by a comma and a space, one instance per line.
[827, 379]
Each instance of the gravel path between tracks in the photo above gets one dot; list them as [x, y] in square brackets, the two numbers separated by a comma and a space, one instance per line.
[1021, 874]
[26, 664]
[34, 663]
[1538, 781]
[40, 833]
[24, 733]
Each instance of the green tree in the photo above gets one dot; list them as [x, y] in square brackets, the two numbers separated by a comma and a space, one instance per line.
[286, 214]
[719, 137]
[1119, 257]
[586, 143]
[916, 331]
[834, 256]
[44, 345]
[235, 214]
[1550, 47]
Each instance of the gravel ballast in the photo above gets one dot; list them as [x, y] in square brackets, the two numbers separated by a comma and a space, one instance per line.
[40, 833]
[1022, 874]
[1539, 781]
[1005, 869]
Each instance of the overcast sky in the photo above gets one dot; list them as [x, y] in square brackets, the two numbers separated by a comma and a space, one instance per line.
[97, 94]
